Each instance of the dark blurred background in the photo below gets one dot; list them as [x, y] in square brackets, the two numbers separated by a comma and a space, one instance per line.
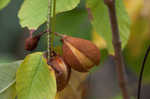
[10, 33]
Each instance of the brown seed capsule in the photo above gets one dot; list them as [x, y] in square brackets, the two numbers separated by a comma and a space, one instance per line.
[62, 71]
[32, 42]
[80, 54]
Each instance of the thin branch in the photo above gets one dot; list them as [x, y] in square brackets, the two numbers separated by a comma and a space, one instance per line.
[49, 49]
[141, 73]
[117, 47]
[53, 22]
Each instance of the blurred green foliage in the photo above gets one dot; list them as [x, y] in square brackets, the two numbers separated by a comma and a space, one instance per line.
[137, 45]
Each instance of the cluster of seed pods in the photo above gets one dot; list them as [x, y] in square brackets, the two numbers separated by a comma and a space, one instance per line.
[78, 54]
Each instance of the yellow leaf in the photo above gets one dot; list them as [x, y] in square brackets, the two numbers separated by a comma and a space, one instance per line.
[98, 40]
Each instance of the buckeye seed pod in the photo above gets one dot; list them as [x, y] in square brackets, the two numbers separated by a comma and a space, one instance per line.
[79, 53]
[62, 71]
[32, 42]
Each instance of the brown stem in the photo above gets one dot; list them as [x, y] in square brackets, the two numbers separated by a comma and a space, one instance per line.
[60, 35]
[141, 73]
[56, 33]
[117, 47]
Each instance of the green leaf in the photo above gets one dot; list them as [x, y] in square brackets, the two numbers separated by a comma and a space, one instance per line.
[34, 80]
[8, 74]
[10, 93]
[74, 23]
[98, 14]
[33, 13]
[3, 3]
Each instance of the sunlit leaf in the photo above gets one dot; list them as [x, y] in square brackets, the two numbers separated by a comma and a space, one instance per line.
[33, 13]
[34, 80]
[3, 3]
[98, 14]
